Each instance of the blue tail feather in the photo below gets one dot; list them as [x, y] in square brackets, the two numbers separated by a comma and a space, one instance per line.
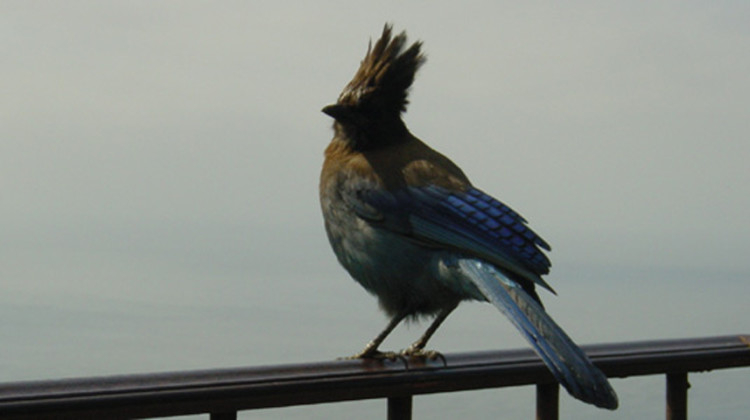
[565, 359]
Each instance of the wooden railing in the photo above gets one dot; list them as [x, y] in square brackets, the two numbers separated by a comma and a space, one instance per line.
[221, 393]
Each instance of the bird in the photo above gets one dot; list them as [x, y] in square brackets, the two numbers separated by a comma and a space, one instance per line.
[409, 226]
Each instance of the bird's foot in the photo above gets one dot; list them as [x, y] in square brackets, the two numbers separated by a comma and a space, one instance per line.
[416, 351]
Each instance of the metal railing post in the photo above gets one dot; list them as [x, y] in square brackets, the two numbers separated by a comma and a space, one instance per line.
[547, 401]
[677, 390]
[399, 408]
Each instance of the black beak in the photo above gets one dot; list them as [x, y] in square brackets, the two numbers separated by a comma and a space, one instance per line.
[338, 112]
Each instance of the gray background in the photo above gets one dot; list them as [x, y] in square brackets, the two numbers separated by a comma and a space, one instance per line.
[159, 165]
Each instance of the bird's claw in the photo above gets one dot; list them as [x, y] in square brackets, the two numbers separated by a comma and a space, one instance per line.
[432, 355]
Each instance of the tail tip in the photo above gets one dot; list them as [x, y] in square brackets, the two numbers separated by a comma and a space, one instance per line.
[602, 397]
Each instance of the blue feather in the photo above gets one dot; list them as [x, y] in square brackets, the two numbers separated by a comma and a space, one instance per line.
[470, 221]
[565, 359]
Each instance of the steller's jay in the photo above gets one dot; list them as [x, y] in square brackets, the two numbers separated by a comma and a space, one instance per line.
[408, 225]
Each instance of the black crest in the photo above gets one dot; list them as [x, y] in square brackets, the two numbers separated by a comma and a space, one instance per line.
[385, 74]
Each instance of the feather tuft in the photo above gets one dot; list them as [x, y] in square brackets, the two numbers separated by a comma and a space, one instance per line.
[385, 74]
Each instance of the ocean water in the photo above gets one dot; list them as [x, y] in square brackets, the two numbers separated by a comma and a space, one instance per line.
[102, 310]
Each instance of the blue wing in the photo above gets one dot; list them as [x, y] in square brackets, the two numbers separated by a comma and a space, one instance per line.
[469, 221]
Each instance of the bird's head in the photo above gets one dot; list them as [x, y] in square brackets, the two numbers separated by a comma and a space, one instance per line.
[368, 111]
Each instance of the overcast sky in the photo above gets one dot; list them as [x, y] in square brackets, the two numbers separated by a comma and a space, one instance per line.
[620, 130]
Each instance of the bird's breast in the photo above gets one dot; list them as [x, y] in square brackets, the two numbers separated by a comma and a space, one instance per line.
[397, 270]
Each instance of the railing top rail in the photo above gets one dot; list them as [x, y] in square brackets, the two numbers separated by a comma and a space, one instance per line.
[177, 393]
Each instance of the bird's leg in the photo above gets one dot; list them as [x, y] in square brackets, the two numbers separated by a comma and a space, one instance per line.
[417, 348]
[371, 349]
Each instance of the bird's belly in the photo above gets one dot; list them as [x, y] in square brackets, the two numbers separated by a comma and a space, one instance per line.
[399, 272]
